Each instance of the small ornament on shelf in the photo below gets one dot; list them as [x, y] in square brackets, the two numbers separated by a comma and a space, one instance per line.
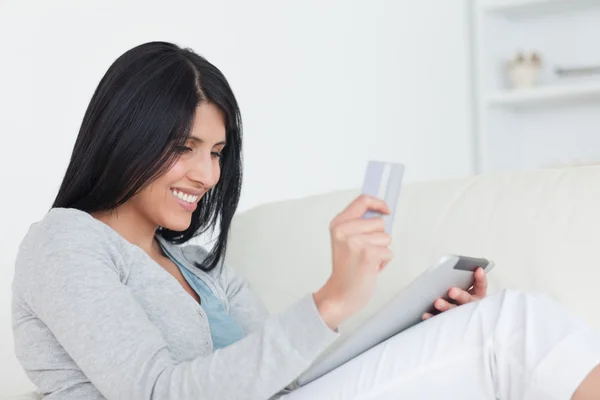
[524, 70]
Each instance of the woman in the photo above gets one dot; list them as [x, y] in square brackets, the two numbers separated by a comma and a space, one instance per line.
[107, 305]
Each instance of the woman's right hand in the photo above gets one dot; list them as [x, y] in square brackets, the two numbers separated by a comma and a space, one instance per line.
[360, 251]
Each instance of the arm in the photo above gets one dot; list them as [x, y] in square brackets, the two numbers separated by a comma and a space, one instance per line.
[77, 293]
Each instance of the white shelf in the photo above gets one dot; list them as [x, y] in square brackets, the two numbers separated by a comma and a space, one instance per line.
[564, 94]
[528, 8]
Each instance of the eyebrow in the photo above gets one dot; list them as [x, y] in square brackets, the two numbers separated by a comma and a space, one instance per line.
[198, 140]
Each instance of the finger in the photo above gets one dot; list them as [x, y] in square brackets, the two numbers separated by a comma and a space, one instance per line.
[383, 265]
[357, 227]
[442, 305]
[369, 243]
[480, 286]
[382, 256]
[426, 316]
[359, 207]
[460, 296]
[378, 239]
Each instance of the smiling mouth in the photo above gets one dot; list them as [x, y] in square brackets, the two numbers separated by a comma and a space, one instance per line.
[188, 198]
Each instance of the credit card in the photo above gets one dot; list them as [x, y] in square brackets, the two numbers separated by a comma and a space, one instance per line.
[384, 180]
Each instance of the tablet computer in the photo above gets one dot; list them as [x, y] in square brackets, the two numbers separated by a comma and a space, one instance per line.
[402, 312]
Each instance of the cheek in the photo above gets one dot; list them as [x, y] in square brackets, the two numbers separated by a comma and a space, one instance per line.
[216, 174]
[148, 200]
[153, 194]
[157, 192]
[175, 174]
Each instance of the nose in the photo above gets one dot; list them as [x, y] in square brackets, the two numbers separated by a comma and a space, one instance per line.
[204, 171]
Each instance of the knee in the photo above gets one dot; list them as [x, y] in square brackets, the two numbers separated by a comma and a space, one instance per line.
[537, 311]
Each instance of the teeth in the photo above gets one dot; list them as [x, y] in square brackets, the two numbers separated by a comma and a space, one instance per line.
[189, 198]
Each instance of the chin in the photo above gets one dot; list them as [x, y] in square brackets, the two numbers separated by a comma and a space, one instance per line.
[177, 223]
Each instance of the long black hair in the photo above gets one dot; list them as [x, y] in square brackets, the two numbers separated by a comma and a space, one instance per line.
[141, 112]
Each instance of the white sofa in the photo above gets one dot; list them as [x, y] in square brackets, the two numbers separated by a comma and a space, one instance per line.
[542, 229]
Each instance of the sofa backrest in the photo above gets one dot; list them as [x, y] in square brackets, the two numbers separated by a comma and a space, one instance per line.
[542, 229]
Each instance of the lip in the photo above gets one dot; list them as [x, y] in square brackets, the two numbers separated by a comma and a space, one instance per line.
[190, 207]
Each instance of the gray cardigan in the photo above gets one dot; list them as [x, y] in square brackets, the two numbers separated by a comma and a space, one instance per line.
[95, 317]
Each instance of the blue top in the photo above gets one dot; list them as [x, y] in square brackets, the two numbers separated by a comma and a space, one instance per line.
[224, 330]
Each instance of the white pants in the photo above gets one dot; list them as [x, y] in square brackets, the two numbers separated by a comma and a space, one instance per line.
[511, 345]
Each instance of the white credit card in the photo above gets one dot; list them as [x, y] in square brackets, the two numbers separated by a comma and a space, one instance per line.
[384, 180]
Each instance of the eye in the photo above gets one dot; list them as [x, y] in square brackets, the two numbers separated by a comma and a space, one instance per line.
[217, 154]
[183, 149]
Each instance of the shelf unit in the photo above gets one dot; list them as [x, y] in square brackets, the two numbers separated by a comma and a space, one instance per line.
[555, 95]
[532, 8]
[554, 121]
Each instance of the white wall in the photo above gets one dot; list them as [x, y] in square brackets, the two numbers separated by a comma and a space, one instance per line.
[323, 85]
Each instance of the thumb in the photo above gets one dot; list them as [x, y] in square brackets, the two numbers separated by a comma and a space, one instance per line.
[480, 285]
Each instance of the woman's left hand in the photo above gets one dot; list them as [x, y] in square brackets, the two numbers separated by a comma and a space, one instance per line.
[460, 297]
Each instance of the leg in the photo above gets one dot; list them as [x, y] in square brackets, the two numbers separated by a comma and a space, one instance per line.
[508, 346]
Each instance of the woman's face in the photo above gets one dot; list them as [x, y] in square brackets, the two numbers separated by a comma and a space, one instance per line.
[170, 200]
